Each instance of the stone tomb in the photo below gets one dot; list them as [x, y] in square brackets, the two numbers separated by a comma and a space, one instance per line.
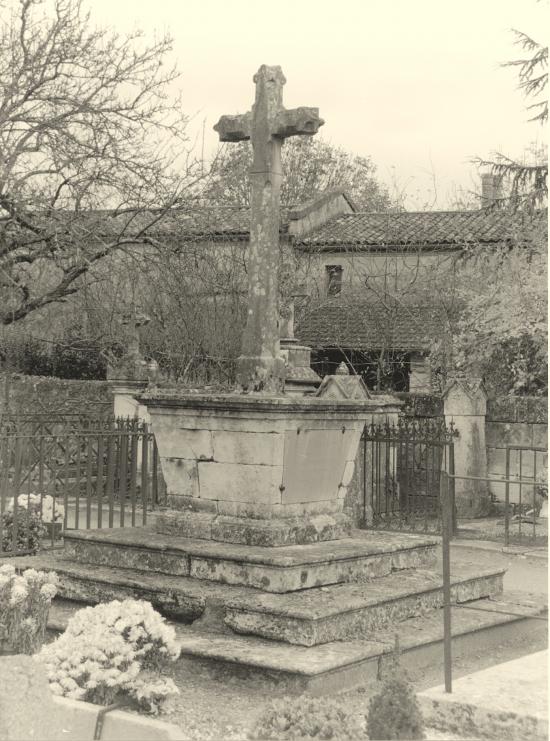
[258, 470]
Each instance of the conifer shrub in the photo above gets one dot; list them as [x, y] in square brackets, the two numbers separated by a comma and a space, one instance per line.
[306, 717]
[394, 712]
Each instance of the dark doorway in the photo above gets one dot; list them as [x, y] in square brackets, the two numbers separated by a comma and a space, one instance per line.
[382, 370]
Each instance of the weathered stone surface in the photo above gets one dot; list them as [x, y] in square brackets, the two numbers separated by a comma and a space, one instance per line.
[282, 569]
[287, 531]
[184, 524]
[181, 477]
[188, 443]
[324, 659]
[335, 666]
[142, 559]
[346, 611]
[180, 597]
[237, 482]
[261, 511]
[273, 457]
[507, 701]
[247, 447]
[27, 709]
[259, 367]
[465, 405]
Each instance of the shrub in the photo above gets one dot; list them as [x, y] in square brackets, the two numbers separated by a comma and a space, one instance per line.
[113, 652]
[394, 712]
[27, 529]
[24, 605]
[293, 718]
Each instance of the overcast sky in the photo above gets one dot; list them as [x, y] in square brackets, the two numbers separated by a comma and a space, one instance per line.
[414, 84]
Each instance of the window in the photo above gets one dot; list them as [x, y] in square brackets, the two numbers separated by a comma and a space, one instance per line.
[334, 279]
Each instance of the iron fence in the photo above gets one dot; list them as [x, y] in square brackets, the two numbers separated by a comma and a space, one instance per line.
[402, 467]
[104, 474]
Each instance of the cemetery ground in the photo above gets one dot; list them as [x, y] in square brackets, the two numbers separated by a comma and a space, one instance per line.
[219, 703]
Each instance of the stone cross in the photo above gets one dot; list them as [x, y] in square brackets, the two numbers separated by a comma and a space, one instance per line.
[132, 320]
[267, 125]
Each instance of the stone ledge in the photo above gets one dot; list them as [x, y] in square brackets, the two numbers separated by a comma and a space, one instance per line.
[282, 569]
[342, 665]
[344, 611]
[274, 532]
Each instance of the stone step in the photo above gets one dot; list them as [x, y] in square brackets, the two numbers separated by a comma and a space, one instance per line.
[343, 611]
[281, 569]
[307, 617]
[342, 665]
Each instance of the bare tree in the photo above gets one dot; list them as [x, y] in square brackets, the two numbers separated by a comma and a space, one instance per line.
[93, 149]
[311, 166]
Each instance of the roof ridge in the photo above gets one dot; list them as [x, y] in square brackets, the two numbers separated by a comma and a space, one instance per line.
[416, 213]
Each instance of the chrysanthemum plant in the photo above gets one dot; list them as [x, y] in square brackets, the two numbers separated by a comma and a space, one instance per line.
[25, 601]
[114, 652]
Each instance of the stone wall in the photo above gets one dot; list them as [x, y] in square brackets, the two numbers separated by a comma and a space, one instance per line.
[517, 422]
[21, 394]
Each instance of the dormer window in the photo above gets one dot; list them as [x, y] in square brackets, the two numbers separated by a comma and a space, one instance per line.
[334, 279]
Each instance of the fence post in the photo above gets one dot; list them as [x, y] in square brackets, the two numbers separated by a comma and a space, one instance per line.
[446, 525]
[451, 485]
[507, 500]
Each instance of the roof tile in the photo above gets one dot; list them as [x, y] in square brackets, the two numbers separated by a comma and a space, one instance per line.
[349, 322]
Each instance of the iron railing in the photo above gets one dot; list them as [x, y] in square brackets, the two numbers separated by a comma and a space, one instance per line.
[102, 475]
[402, 467]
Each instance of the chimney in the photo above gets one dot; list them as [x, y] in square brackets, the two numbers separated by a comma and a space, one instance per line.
[491, 189]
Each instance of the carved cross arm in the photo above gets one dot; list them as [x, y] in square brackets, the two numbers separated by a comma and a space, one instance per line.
[297, 121]
[234, 128]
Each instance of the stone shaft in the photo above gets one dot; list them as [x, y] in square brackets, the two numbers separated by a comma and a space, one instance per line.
[260, 366]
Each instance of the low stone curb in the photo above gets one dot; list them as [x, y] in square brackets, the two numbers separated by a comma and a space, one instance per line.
[489, 545]
[506, 701]
[79, 718]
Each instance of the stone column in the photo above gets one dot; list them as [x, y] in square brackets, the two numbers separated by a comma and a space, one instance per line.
[465, 404]
[125, 403]
[300, 378]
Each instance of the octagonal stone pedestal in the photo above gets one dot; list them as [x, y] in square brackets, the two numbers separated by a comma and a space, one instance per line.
[256, 469]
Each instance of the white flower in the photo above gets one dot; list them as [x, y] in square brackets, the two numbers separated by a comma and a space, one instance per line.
[48, 591]
[18, 593]
[7, 569]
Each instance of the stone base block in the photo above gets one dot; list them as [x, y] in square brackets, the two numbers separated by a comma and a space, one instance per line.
[272, 532]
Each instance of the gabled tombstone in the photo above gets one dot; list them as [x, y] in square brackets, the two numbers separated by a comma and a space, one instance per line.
[342, 385]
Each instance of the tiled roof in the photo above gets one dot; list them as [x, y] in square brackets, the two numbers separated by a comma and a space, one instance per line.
[348, 322]
[415, 228]
[231, 222]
